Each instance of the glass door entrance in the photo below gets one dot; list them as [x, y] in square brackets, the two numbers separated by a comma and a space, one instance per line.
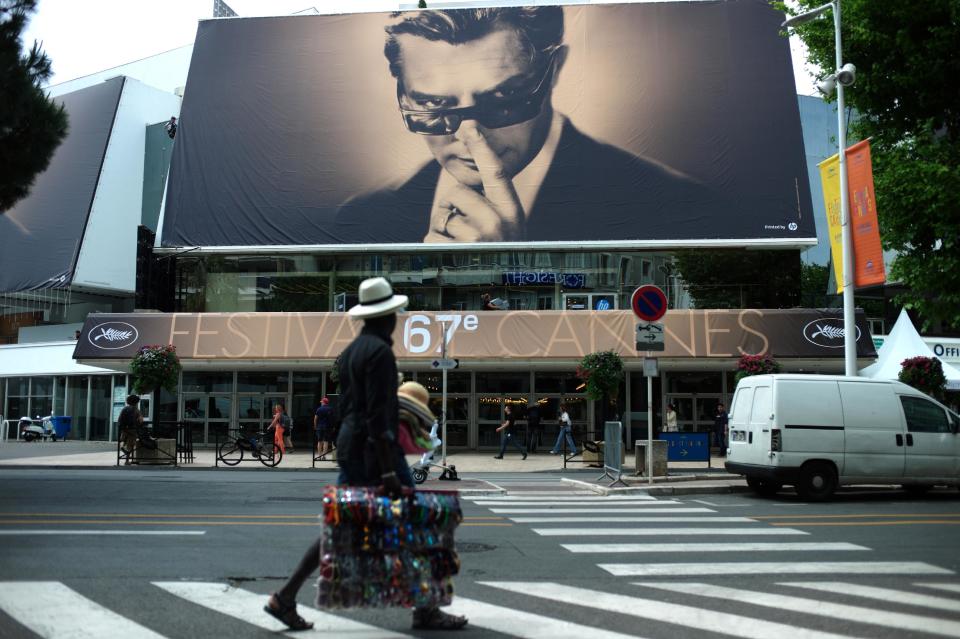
[208, 414]
[694, 412]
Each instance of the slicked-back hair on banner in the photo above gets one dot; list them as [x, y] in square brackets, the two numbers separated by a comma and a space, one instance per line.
[539, 28]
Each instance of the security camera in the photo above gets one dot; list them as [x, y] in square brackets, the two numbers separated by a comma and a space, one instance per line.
[847, 74]
[827, 86]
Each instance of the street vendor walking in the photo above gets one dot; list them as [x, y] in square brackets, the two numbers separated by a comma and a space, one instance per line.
[367, 450]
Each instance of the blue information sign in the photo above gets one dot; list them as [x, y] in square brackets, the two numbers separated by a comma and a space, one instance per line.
[687, 446]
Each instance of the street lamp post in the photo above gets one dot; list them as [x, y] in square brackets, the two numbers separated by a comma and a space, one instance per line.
[844, 76]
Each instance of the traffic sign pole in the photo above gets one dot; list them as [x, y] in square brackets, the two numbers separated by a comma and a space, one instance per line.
[649, 303]
[650, 429]
[443, 409]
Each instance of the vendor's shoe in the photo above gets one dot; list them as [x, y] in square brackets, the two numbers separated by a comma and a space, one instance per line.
[286, 613]
[498, 456]
[436, 619]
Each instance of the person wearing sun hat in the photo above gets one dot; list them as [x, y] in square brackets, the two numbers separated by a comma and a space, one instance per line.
[415, 418]
[368, 451]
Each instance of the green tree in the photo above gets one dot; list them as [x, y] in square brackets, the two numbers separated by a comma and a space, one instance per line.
[814, 279]
[31, 124]
[741, 279]
[904, 53]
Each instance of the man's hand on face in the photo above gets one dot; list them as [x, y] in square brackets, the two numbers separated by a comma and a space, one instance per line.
[463, 215]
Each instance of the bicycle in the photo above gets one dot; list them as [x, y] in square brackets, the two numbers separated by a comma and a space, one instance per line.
[260, 446]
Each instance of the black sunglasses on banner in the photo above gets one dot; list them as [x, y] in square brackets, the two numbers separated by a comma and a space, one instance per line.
[489, 114]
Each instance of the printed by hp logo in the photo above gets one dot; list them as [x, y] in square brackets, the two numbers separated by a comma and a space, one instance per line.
[111, 336]
[826, 333]
[792, 226]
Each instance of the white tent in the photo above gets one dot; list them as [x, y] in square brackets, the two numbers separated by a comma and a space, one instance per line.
[904, 342]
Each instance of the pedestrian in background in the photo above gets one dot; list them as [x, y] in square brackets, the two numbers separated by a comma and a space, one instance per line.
[287, 422]
[670, 419]
[566, 431]
[720, 421]
[276, 426]
[322, 425]
[506, 431]
[534, 429]
[129, 423]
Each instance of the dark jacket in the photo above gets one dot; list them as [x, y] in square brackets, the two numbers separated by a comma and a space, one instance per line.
[368, 395]
[592, 191]
[129, 417]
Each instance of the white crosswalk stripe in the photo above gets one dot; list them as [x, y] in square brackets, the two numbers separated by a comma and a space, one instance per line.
[553, 496]
[713, 547]
[565, 503]
[666, 532]
[592, 510]
[52, 610]
[516, 623]
[869, 616]
[947, 587]
[689, 616]
[881, 594]
[630, 520]
[776, 568]
[248, 606]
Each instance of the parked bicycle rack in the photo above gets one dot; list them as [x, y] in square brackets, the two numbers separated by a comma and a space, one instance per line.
[245, 444]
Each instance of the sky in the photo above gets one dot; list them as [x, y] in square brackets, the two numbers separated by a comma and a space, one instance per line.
[87, 36]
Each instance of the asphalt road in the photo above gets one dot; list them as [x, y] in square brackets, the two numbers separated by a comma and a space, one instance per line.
[540, 562]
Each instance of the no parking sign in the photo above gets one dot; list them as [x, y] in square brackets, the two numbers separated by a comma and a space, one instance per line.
[649, 303]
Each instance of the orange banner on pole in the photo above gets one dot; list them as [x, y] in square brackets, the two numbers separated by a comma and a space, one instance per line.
[868, 267]
[867, 253]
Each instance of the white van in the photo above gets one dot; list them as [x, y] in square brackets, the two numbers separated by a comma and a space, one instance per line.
[817, 432]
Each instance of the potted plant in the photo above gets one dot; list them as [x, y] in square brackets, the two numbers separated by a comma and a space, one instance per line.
[749, 365]
[925, 374]
[602, 374]
[155, 367]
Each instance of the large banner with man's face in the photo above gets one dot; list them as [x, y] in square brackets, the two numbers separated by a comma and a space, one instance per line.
[652, 124]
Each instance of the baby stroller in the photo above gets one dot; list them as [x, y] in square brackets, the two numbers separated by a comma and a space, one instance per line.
[421, 469]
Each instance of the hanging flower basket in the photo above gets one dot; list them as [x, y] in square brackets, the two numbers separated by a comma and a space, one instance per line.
[925, 374]
[601, 373]
[756, 365]
[155, 367]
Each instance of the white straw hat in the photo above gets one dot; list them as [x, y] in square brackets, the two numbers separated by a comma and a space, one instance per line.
[377, 299]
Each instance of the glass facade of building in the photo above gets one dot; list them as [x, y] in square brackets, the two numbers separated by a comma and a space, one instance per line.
[527, 280]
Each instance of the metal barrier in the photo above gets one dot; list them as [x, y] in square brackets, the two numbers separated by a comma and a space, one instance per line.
[151, 448]
[185, 442]
[613, 453]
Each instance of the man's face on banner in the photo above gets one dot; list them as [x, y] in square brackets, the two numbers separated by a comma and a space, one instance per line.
[487, 72]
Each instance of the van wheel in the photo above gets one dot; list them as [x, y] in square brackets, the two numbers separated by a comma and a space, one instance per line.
[764, 487]
[917, 489]
[817, 482]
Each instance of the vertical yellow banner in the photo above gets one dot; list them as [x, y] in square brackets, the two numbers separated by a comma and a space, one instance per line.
[830, 180]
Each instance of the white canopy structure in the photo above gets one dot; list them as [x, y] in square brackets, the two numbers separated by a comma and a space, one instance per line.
[904, 342]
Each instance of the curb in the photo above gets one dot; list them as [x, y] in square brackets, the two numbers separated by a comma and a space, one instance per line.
[660, 490]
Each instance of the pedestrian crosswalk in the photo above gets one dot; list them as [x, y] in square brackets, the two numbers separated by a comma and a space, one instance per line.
[689, 574]
[78, 617]
[648, 582]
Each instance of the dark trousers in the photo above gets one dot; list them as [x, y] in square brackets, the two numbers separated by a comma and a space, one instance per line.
[507, 437]
[534, 433]
[718, 438]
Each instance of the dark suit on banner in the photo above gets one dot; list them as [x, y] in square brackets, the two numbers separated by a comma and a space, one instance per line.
[592, 192]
